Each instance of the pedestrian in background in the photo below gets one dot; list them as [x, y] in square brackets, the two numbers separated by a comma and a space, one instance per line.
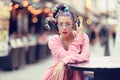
[68, 46]
[104, 36]
[114, 30]
[92, 34]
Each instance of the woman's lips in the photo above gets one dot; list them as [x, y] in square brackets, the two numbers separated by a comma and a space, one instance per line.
[64, 32]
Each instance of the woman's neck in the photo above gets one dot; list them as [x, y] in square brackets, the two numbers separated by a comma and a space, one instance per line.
[68, 38]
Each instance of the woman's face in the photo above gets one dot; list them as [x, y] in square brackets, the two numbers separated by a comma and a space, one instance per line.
[65, 25]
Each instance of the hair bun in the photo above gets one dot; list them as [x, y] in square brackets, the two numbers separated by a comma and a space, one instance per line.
[62, 7]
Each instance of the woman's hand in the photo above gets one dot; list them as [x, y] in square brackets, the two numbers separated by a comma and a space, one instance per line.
[80, 28]
[58, 71]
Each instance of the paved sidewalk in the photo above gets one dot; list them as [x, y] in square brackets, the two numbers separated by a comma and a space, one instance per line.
[29, 72]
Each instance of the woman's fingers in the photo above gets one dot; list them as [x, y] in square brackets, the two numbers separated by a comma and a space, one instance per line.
[58, 71]
[80, 28]
[80, 19]
[76, 26]
[56, 75]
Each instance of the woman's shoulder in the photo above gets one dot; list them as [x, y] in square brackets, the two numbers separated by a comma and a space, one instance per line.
[54, 41]
[85, 35]
[54, 37]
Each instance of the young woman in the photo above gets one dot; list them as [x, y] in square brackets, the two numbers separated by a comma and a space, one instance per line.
[69, 46]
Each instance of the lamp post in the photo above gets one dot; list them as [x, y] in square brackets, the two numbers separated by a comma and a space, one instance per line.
[117, 41]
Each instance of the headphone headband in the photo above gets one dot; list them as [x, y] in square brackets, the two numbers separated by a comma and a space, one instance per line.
[52, 22]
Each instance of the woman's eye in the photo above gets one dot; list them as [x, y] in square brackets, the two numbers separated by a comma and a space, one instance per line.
[60, 24]
[64, 24]
[67, 24]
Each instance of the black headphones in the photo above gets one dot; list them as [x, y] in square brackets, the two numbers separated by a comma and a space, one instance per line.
[52, 21]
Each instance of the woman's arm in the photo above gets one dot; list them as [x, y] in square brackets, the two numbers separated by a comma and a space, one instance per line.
[71, 55]
[58, 50]
[83, 56]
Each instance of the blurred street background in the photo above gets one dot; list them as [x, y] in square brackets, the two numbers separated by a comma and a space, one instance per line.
[24, 52]
[35, 71]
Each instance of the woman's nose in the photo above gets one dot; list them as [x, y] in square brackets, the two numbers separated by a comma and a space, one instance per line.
[64, 27]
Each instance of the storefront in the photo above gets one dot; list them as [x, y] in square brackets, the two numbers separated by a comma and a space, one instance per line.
[4, 28]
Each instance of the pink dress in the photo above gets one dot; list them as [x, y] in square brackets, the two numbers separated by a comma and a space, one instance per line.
[78, 52]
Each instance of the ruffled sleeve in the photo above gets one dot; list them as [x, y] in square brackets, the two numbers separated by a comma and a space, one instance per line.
[84, 54]
[78, 49]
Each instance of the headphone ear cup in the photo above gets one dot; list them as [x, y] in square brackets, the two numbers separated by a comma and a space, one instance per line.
[53, 25]
[47, 26]
[56, 26]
